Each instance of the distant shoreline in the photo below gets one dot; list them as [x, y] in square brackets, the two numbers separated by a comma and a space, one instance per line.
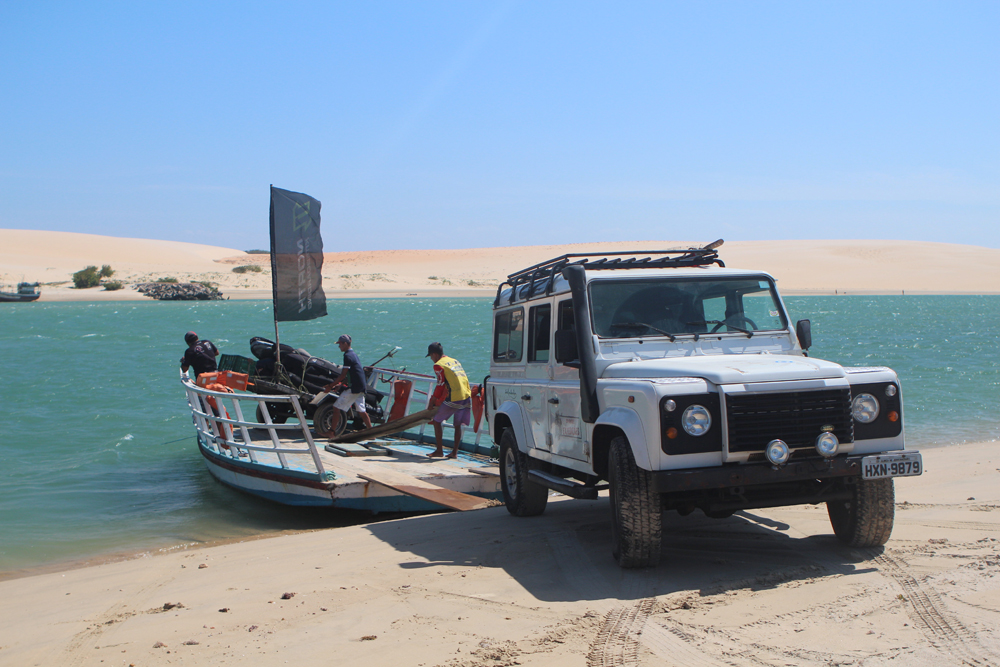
[96, 294]
[801, 268]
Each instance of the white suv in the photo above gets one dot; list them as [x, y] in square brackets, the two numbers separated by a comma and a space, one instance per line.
[682, 385]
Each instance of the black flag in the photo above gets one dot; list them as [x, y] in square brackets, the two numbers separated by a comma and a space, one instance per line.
[296, 257]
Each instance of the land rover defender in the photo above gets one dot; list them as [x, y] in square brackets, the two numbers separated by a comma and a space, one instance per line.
[679, 384]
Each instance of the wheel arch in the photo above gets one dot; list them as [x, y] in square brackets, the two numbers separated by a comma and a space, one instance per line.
[508, 416]
[612, 423]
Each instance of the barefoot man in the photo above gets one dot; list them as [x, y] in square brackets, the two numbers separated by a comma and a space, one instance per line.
[354, 394]
[452, 395]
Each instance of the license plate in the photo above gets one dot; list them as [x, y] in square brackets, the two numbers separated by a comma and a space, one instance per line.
[891, 465]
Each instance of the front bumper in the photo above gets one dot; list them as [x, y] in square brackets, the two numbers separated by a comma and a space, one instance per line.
[755, 474]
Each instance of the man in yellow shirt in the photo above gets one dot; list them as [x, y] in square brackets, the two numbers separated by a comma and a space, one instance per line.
[451, 396]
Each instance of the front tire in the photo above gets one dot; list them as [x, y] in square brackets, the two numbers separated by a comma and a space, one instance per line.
[636, 509]
[521, 496]
[866, 520]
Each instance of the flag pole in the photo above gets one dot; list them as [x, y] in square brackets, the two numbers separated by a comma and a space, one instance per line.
[274, 288]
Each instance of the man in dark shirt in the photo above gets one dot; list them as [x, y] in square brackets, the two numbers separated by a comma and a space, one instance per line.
[200, 355]
[355, 393]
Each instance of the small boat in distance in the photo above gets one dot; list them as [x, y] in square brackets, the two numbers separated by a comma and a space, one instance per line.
[24, 292]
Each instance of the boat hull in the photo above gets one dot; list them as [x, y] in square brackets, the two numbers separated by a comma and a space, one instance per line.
[7, 297]
[285, 486]
[301, 489]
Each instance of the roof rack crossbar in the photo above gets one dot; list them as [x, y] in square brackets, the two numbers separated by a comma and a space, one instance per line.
[593, 260]
[546, 272]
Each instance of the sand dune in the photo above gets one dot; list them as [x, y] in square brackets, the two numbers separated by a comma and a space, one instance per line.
[763, 587]
[802, 267]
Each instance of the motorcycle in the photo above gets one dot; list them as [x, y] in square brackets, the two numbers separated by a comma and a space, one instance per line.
[312, 378]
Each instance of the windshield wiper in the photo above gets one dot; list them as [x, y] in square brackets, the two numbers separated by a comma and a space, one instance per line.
[726, 324]
[632, 325]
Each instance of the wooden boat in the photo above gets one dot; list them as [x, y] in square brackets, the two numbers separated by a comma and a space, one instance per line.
[263, 443]
[24, 292]
[288, 464]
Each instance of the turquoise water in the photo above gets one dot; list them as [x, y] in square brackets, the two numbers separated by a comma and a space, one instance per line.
[97, 452]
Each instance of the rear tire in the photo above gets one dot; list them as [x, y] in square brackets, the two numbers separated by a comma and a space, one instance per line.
[866, 520]
[636, 509]
[323, 419]
[521, 496]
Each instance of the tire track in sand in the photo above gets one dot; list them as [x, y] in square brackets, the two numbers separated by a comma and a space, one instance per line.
[617, 641]
[626, 603]
[929, 614]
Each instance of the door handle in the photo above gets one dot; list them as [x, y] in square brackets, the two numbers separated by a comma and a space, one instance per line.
[525, 397]
[554, 400]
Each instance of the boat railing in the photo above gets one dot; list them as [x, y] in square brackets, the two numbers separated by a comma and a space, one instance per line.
[388, 375]
[228, 434]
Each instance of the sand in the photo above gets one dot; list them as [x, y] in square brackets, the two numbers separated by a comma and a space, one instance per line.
[801, 267]
[764, 587]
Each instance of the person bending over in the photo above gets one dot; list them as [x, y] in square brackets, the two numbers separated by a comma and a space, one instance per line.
[200, 355]
[452, 397]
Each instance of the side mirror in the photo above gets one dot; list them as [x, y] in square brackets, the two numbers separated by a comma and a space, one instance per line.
[803, 331]
[566, 346]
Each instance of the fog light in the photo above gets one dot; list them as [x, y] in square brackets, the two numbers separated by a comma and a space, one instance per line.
[777, 452]
[827, 444]
[696, 420]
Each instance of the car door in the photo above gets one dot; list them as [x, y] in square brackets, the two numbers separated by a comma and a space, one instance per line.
[565, 427]
[511, 379]
[536, 385]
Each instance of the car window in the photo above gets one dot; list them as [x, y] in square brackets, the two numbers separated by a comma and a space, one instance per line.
[567, 321]
[508, 335]
[539, 334]
[650, 307]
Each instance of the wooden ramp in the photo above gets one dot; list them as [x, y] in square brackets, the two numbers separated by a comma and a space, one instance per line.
[406, 422]
[418, 488]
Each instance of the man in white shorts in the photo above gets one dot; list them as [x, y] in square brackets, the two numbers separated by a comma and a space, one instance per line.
[355, 393]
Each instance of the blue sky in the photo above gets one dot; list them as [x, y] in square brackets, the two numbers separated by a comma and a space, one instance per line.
[472, 124]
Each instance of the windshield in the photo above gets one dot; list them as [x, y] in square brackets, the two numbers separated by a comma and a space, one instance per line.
[660, 307]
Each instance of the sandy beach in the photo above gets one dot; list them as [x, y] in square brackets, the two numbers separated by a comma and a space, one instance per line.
[801, 267]
[764, 587]
[480, 589]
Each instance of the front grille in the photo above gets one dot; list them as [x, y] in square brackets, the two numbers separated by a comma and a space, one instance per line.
[796, 417]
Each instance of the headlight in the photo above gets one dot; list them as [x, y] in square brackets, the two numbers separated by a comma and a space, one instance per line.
[696, 420]
[777, 452]
[827, 444]
[864, 408]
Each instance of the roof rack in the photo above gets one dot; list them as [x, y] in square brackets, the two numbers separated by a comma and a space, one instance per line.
[545, 272]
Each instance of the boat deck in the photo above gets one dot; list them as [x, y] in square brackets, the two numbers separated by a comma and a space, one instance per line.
[402, 455]
[288, 463]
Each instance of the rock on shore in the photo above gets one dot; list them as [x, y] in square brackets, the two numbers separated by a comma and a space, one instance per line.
[179, 291]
